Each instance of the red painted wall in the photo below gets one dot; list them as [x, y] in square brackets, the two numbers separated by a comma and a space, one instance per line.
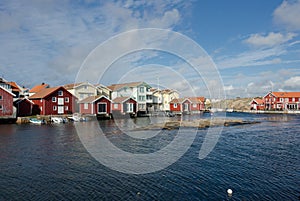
[177, 109]
[6, 102]
[46, 104]
[24, 108]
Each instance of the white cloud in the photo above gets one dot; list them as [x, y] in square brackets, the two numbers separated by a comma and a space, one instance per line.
[252, 58]
[292, 83]
[53, 39]
[269, 40]
[288, 15]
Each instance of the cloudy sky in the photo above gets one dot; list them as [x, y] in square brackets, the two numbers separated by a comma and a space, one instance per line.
[254, 44]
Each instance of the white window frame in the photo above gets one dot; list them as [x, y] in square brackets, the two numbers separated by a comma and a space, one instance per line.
[116, 105]
[67, 99]
[281, 100]
[53, 99]
[286, 99]
[54, 108]
[60, 93]
[66, 108]
[175, 105]
[142, 90]
[1, 107]
[194, 105]
[293, 99]
[86, 106]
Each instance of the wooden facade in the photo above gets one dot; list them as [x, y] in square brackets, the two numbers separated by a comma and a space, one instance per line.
[6, 103]
[96, 105]
[53, 101]
[124, 105]
[24, 107]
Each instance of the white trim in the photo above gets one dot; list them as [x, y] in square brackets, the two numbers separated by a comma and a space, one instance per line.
[8, 91]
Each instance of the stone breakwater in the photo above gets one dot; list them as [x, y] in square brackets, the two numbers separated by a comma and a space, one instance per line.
[200, 123]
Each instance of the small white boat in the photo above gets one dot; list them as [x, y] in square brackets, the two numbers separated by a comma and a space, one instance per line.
[77, 117]
[36, 121]
[57, 120]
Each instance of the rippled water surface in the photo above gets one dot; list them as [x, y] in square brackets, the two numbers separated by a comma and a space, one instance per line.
[258, 162]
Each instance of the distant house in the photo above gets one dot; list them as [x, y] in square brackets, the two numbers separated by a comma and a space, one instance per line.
[16, 89]
[53, 101]
[162, 98]
[282, 101]
[197, 104]
[7, 109]
[124, 105]
[189, 105]
[38, 88]
[180, 105]
[139, 91]
[24, 107]
[257, 104]
[96, 105]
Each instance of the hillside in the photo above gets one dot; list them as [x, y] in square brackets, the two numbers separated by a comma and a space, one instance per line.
[235, 104]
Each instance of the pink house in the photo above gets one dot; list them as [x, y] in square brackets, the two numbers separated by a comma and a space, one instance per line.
[124, 105]
[96, 105]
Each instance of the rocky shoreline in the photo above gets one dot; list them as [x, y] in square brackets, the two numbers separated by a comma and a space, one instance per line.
[200, 123]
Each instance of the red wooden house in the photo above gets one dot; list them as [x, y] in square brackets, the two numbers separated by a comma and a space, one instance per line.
[24, 107]
[180, 105]
[257, 104]
[7, 110]
[189, 105]
[53, 101]
[282, 101]
[96, 105]
[124, 105]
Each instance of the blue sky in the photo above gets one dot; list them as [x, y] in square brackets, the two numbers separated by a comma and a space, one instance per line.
[254, 44]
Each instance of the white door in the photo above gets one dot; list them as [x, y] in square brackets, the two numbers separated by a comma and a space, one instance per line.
[129, 107]
[60, 109]
[60, 101]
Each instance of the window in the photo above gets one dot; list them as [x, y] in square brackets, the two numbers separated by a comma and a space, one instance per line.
[175, 105]
[86, 106]
[142, 89]
[66, 99]
[66, 108]
[293, 99]
[1, 107]
[85, 86]
[116, 106]
[81, 96]
[60, 93]
[0, 97]
[281, 99]
[194, 105]
[41, 100]
[54, 108]
[53, 99]
[141, 98]
[286, 99]
[101, 108]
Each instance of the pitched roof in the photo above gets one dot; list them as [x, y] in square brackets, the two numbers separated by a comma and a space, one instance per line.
[37, 88]
[115, 87]
[199, 99]
[44, 92]
[287, 94]
[22, 99]
[120, 99]
[72, 85]
[92, 99]
[14, 86]
[178, 100]
[259, 101]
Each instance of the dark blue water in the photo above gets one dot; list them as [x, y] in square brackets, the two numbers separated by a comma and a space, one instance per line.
[258, 162]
